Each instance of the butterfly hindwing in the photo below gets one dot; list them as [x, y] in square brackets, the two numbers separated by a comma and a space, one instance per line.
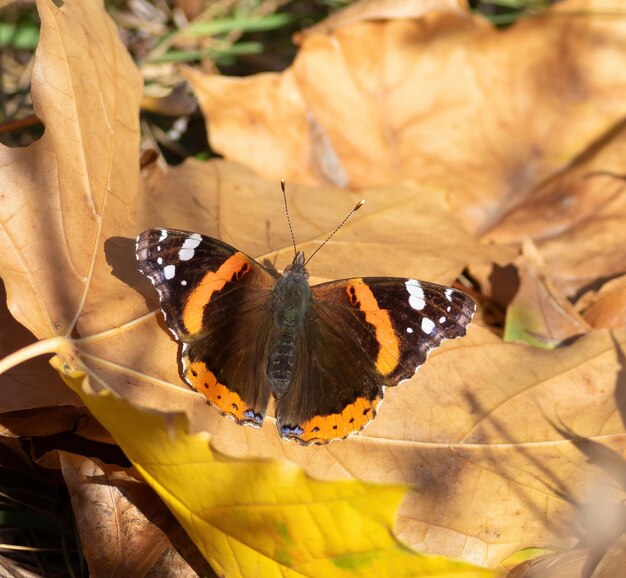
[335, 392]
[214, 298]
[363, 335]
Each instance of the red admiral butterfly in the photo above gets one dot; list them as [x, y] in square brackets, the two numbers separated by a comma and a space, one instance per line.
[325, 353]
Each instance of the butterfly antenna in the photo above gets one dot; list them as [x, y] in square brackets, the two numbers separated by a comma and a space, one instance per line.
[293, 239]
[356, 208]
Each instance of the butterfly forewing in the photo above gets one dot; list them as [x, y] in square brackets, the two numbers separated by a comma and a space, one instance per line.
[422, 316]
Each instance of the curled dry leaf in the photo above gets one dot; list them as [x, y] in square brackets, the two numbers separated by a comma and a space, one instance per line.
[605, 308]
[539, 314]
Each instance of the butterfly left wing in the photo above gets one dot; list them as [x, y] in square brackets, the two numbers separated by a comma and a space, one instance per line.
[362, 335]
[214, 299]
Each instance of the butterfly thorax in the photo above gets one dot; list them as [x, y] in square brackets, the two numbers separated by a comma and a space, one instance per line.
[289, 304]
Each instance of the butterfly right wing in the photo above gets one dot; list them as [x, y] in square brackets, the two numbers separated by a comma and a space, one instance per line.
[215, 300]
[363, 335]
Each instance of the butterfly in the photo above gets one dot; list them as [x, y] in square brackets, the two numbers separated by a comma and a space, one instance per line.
[325, 353]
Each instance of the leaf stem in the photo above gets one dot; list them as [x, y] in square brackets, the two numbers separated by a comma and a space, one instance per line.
[44, 346]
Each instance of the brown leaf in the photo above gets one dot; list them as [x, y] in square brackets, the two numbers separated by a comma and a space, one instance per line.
[576, 218]
[444, 100]
[606, 308]
[539, 314]
[383, 10]
[77, 184]
[125, 529]
[68, 194]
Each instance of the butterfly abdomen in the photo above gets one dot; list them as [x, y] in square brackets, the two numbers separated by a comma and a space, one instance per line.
[290, 303]
[281, 361]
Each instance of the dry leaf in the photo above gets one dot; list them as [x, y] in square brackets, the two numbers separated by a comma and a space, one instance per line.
[576, 219]
[444, 100]
[90, 153]
[538, 314]
[383, 10]
[605, 308]
[124, 529]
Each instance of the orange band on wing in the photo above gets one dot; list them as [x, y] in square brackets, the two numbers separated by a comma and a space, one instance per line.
[361, 296]
[218, 395]
[234, 268]
[322, 429]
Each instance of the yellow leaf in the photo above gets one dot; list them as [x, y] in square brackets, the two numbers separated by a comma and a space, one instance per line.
[261, 517]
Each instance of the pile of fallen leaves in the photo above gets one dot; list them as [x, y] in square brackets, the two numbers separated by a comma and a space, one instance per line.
[490, 159]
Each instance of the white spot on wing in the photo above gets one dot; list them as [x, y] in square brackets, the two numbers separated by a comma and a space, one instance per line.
[159, 261]
[169, 271]
[183, 282]
[427, 325]
[416, 294]
[409, 330]
[442, 319]
[448, 293]
[163, 235]
[187, 250]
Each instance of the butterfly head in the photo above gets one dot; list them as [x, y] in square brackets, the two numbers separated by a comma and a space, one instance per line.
[297, 268]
